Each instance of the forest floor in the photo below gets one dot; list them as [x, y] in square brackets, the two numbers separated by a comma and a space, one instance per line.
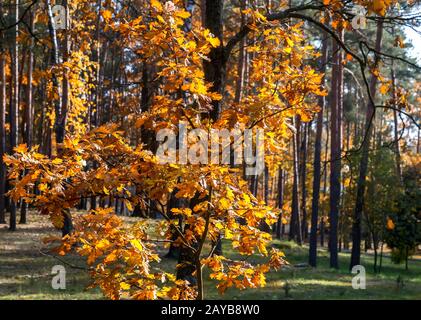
[25, 273]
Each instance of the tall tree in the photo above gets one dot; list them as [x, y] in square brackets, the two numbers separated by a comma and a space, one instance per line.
[281, 183]
[28, 118]
[14, 105]
[363, 165]
[317, 165]
[335, 151]
[295, 225]
[304, 148]
[396, 125]
[2, 125]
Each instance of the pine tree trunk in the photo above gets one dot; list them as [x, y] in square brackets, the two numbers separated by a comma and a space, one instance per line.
[317, 167]
[28, 109]
[295, 230]
[2, 126]
[359, 202]
[14, 106]
[304, 224]
[241, 67]
[396, 126]
[279, 225]
[335, 152]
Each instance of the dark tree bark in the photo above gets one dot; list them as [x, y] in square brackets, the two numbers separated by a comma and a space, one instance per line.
[215, 68]
[28, 119]
[317, 167]
[304, 224]
[241, 67]
[59, 125]
[14, 106]
[361, 183]
[335, 152]
[295, 229]
[396, 126]
[264, 226]
[279, 225]
[2, 126]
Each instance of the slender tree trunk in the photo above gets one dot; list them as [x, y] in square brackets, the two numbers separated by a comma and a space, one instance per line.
[317, 167]
[28, 109]
[241, 67]
[335, 152]
[396, 126]
[304, 147]
[280, 203]
[97, 115]
[215, 68]
[2, 126]
[66, 87]
[295, 230]
[265, 227]
[14, 107]
[322, 223]
[59, 123]
[359, 203]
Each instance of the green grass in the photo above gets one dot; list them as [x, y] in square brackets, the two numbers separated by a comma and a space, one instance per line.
[323, 283]
[25, 273]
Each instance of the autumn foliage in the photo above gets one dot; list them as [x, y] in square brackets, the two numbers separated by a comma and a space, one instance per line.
[116, 159]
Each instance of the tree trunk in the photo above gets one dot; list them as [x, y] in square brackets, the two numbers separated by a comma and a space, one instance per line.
[264, 226]
[359, 203]
[395, 126]
[14, 107]
[335, 152]
[317, 167]
[280, 203]
[28, 110]
[322, 223]
[59, 123]
[304, 224]
[295, 230]
[241, 67]
[215, 68]
[2, 126]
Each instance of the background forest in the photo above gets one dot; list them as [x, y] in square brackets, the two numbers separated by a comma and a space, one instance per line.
[86, 85]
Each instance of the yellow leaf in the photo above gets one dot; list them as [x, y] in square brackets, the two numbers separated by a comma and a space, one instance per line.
[157, 5]
[128, 205]
[106, 14]
[57, 161]
[224, 203]
[136, 244]
[124, 286]
[111, 257]
[21, 148]
[390, 224]
[384, 88]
